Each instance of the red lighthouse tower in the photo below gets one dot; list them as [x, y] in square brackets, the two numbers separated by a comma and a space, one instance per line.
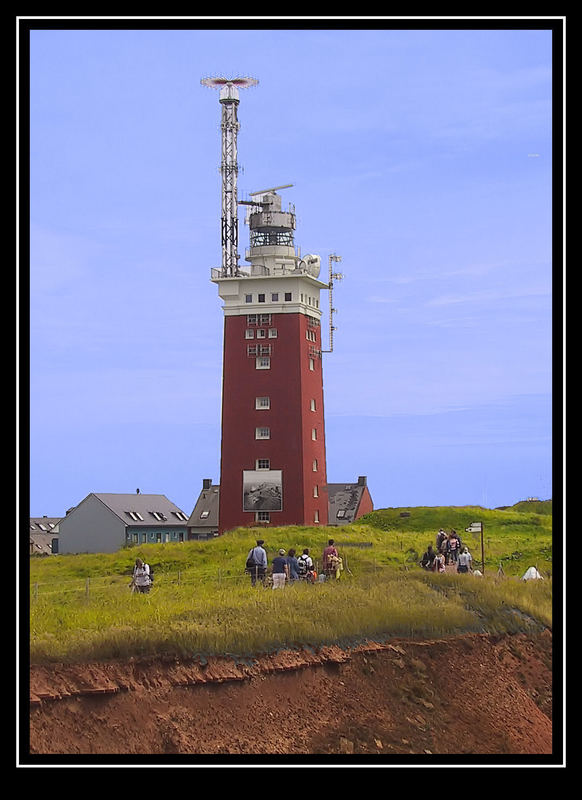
[273, 467]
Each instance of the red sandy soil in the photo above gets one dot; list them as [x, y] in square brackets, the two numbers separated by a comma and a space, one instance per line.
[466, 695]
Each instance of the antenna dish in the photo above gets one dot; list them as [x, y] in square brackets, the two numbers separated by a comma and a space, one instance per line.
[312, 265]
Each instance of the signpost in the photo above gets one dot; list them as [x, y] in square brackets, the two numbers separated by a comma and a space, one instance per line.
[477, 527]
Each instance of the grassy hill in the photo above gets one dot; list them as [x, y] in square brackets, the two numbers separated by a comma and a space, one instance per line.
[202, 602]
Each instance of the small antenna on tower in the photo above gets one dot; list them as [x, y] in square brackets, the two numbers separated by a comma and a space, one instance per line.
[338, 277]
[229, 167]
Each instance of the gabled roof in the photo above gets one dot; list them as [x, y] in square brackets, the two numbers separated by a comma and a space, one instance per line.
[43, 524]
[344, 499]
[205, 513]
[143, 509]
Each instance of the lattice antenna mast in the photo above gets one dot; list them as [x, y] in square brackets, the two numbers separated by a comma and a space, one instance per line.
[229, 167]
[338, 277]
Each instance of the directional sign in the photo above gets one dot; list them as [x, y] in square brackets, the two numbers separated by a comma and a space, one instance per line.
[474, 527]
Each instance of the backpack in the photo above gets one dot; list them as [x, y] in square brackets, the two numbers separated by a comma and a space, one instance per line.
[151, 573]
[302, 561]
[251, 563]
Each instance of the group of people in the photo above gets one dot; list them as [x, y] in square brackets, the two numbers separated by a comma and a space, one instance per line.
[449, 551]
[288, 567]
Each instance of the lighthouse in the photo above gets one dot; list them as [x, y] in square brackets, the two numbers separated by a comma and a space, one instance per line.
[273, 460]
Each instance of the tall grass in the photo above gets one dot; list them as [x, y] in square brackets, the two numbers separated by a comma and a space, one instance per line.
[202, 603]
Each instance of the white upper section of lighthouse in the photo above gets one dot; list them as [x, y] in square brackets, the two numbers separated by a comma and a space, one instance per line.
[277, 276]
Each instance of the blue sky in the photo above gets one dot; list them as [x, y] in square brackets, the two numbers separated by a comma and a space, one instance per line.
[422, 157]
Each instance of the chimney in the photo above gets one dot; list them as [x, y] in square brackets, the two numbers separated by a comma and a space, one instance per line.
[362, 480]
[206, 484]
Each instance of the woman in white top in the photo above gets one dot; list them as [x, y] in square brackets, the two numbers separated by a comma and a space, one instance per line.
[465, 561]
[141, 577]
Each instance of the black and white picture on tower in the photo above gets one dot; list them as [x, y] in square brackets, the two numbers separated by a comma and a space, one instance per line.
[263, 490]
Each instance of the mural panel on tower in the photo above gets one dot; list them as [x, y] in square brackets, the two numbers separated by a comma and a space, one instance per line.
[263, 490]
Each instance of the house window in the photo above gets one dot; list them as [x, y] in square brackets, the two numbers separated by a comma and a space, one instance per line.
[262, 433]
[135, 515]
[311, 364]
[261, 298]
[249, 333]
[262, 516]
[252, 349]
[265, 349]
[316, 491]
[204, 514]
[314, 433]
[315, 465]
[275, 297]
[263, 463]
[180, 515]
[262, 403]
[287, 296]
[248, 298]
[263, 362]
[316, 516]
[261, 333]
[312, 404]
[341, 513]
[272, 333]
[264, 319]
[251, 318]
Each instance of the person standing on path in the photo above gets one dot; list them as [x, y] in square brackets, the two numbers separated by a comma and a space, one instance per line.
[257, 562]
[280, 570]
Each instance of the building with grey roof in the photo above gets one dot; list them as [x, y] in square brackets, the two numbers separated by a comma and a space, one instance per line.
[203, 522]
[103, 523]
[347, 502]
[44, 534]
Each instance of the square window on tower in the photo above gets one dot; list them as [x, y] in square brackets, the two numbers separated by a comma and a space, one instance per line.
[248, 298]
[262, 433]
[287, 297]
[249, 333]
[275, 297]
[262, 403]
[272, 333]
[263, 362]
[261, 298]
[263, 463]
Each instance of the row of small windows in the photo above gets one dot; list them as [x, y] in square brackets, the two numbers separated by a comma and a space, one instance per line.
[261, 333]
[276, 297]
[161, 517]
[261, 298]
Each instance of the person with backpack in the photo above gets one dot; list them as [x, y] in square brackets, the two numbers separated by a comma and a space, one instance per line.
[141, 580]
[305, 566]
[453, 547]
[256, 564]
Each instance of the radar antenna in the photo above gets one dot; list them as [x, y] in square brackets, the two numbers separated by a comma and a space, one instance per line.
[229, 167]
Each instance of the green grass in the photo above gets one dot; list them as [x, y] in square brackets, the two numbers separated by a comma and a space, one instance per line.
[202, 603]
